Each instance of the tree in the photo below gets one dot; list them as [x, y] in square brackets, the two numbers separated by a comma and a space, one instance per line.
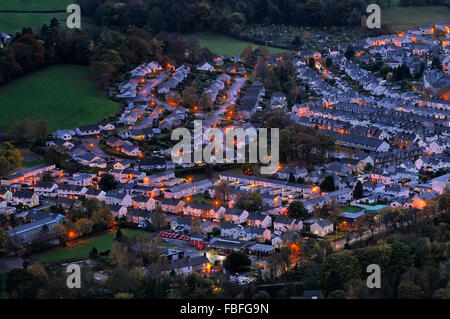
[358, 192]
[107, 182]
[328, 184]
[93, 252]
[10, 158]
[333, 282]
[39, 274]
[247, 54]
[173, 98]
[5, 242]
[236, 262]
[189, 97]
[60, 232]
[311, 63]
[436, 63]
[102, 219]
[205, 103]
[349, 52]
[254, 202]
[122, 255]
[83, 226]
[408, 290]
[159, 220]
[296, 209]
[119, 236]
[222, 191]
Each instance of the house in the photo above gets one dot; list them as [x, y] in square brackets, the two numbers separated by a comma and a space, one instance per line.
[80, 179]
[6, 194]
[205, 67]
[285, 224]
[404, 202]
[204, 211]
[114, 142]
[89, 159]
[236, 215]
[153, 162]
[321, 227]
[271, 200]
[106, 126]
[441, 184]
[287, 172]
[115, 197]
[187, 265]
[26, 197]
[138, 216]
[230, 230]
[255, 233]
[87, 130]
[171, 205]
[158, 179]
[95, 193]
[185, 223]
[189, 189]
[251, 100]
[130, 150]
[143, 203]
[28, 176]
[118, 211]
[278, 101]
[25, 234]
[46, 189]
[65, 135]
[71, 191]
[259, 220]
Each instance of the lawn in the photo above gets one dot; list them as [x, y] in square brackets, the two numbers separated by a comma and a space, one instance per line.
[63, 95]
[351, 209]
[404, 18]
[81, 249]
[13, 22]
[222, 45]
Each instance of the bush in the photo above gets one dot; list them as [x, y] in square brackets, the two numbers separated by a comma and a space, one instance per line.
[236, 262]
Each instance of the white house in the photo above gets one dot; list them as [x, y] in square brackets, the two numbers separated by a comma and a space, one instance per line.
[236, 215]
[259, 220]
[230, 230]
[321, 227]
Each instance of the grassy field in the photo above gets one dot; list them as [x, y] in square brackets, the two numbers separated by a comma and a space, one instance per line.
[404, 18]
[63, 95]
[81, 249]
[13, 22]
[351, 209]
[221, 45]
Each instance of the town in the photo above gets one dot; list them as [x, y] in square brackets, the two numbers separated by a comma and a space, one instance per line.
[364, 151]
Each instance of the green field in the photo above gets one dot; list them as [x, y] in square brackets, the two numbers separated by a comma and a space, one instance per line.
[63, 95]
[81, 249]
[404, 18]
[351, 209]
[14, 22]
[221, 45]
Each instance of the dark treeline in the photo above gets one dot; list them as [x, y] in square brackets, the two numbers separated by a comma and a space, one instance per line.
[225, 16]
[109, 53]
